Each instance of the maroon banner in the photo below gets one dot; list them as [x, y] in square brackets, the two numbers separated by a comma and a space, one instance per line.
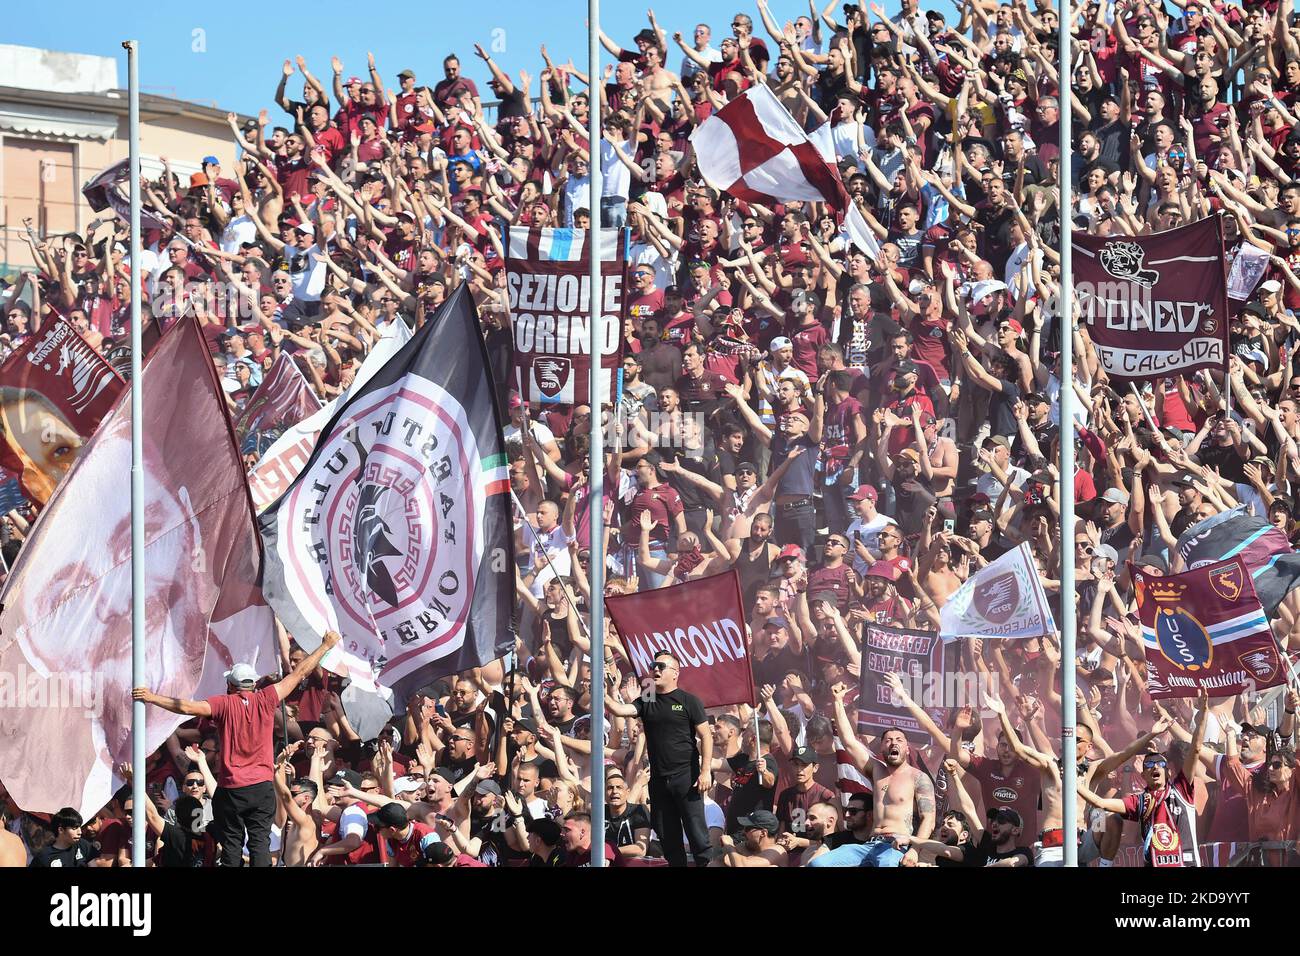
[1155, 305]
[918, 658]
[702, 623]
[55, 391]
[1206, 630]
[548, 280]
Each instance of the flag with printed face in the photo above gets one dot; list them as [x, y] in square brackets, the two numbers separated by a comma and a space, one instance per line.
[397, 532]
[105, 191]
[1002, 599]
[65, 612]
[1205, 630]
[548, 281]
[54, 390]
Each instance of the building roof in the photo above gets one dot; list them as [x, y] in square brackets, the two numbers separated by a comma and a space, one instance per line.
[90, 115]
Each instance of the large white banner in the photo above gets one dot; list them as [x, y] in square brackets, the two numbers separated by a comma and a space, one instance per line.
[1003, 599]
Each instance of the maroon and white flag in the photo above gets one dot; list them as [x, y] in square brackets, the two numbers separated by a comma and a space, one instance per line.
[548, 279]
[65, 612]
[754, 149]
[283, 399]
[105, 191]
[702, 623]
[1155, 305]
[56, 390]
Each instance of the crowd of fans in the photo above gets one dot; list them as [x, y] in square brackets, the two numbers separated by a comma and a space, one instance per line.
[854, 435]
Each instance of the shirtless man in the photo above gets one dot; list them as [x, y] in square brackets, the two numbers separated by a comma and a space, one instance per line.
[900, 793]
[760, 846]
[300, 830]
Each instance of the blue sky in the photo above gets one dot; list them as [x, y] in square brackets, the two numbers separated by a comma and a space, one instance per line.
[229, 55]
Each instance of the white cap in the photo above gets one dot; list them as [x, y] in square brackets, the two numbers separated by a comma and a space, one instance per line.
[1272, 285]
[781, 342]
[241, 675]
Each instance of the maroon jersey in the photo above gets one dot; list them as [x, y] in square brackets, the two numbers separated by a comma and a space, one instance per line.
[1020, 788]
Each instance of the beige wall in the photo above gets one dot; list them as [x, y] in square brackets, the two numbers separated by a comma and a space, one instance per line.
[59, 206]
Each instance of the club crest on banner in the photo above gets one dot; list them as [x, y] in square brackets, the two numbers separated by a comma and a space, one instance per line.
[1227, 582]
[1182, 639]
[998, 598]
[551, 376]
[1262, 662]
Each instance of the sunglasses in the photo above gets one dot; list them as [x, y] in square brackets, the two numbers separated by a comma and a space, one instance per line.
[660, 666]
[1148, 764]
[194, 783]
[1278, 765]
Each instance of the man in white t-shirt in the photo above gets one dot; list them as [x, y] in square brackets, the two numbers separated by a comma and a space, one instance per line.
[353, 822]
[864, 532]
[548, 546]
[996, 454]
[543, 436]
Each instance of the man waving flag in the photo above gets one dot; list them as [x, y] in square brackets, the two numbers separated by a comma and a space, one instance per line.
[396, 534]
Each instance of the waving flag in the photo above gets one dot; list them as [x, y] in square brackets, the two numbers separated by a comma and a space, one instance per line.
[282, 400]
[1264, 550]
[1205, 630]
[281, 463]
[754, 149]
[1155, 305]
[397, 533]
[702, 623]
[1002, 599]
[65, 613]
[105, 191]
[54, 390]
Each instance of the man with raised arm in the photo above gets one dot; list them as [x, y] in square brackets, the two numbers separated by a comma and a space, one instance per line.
[1165, 810]
[900, 795]
[679, 743]
[245, 799]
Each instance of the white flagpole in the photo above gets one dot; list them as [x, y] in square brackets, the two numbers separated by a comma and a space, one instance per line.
[1065, 320]
[139, 676]
[596, 483]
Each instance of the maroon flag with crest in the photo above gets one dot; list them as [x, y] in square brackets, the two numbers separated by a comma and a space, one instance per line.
[1206, 630]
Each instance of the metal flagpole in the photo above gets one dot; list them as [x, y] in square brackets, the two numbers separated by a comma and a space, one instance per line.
[139, 678]
[1065, 321]
[596, 482]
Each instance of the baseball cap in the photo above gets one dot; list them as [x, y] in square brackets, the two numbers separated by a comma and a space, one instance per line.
[198, 179]
[865, 493]
[649, 36]
[1152, 561]
[406, 75]
[762, 819]
[488, 786]
[241, 675]
[883, 569]
[1106, 551]
[906, 368]
[998, 440]
[1116, 496]
[344, 778]
[804, 297]
[1005, 815]
[1270, 285]
[790, 551]
[306, 228]
[781, 342]
[515, 401]
[525, 723]
[1015, 326]
[546, 830]
[804, 755]
[747, 466]
[390, 815]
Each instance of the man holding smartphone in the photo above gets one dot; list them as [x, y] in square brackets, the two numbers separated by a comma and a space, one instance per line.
[679, 742]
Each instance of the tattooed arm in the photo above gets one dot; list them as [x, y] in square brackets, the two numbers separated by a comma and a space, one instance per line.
[924, 800]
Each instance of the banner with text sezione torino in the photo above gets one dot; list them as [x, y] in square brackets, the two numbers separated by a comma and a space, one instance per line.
[1155, 305]
[548, 281]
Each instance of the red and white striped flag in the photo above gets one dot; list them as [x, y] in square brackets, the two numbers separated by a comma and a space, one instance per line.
[849, 779]
[754, 149]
